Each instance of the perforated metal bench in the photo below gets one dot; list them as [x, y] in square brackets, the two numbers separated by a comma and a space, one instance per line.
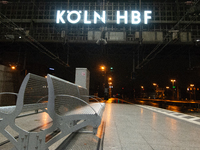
[32, 96]
[69, 104]
[66, 103]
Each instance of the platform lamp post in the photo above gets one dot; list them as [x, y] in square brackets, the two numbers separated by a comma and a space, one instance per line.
[156, 86]
[167, 89]
[142, 89]
[192, 91]
[110, 86]
[105, 82]
[173, 87]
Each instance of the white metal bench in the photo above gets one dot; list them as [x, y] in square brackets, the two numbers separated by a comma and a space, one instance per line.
[32, 96]
[66, 103]
[69, 105]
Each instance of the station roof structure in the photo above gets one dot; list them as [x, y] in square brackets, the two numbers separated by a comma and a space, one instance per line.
[167, 46]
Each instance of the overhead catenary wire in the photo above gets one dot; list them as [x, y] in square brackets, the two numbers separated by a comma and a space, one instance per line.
[28, 38]
[149, 57]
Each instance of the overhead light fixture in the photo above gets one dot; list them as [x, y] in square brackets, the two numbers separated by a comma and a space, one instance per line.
[12, 66]
[51, 69]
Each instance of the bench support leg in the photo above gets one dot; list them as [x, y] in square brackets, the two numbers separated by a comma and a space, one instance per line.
[95, 131]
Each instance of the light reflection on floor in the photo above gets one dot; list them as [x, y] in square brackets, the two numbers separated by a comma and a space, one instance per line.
[45, 119]
[108, 114]
[142, 111]
[117, 100]
[173, 124]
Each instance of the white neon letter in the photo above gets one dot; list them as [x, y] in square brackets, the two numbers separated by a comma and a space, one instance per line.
[146, 17]
[73, 12]
[85, 18]
[103, 18]
[125, 17]
[136, 17]
[59, 16]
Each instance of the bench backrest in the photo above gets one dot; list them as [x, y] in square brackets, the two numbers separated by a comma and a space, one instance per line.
[61, 96]
[83, 94]
[36, 90]
[36, 93]
[33, 94]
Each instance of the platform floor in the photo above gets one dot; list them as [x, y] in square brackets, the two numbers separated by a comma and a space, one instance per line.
[135, 127]
[131, 127]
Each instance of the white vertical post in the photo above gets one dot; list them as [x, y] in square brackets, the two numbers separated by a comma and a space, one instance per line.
[83, 78]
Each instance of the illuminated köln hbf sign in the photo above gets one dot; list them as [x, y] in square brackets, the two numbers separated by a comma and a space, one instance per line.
[64, 16]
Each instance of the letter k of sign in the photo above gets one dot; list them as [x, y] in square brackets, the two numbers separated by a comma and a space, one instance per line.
[59, 16]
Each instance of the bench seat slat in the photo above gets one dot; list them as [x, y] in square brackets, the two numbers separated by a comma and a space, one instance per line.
[86, 110]
[26, 107]
[7, 109]
[30, 107]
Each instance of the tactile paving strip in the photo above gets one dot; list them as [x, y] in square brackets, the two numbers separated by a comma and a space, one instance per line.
[182, 116]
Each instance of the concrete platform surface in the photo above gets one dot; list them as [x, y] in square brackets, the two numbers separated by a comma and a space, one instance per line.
[130, 127]
[133, 127]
